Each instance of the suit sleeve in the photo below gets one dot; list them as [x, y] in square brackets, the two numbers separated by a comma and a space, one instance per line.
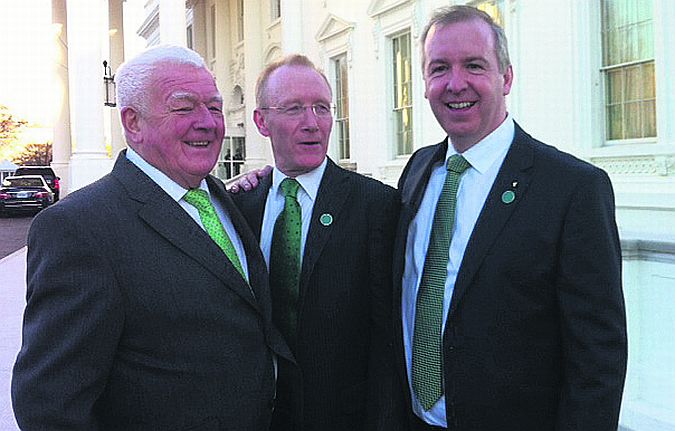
[72, 325]
[386, 400]
[592, 313]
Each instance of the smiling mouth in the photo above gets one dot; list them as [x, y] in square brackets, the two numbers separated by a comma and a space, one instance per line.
[197, 143]
[310, 143]
[461, 105]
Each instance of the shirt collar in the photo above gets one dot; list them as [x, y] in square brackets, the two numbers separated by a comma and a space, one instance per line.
[490, 149]
[167, 184]
[309, 181]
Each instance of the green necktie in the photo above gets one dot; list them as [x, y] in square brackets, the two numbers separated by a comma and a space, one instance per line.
[199, 199]
[285, 261]
[427, 374]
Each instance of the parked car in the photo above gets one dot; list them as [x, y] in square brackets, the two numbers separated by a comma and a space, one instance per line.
[25, 192]
[46, 172]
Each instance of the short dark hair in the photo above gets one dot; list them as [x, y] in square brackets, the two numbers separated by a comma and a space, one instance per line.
[462, 13]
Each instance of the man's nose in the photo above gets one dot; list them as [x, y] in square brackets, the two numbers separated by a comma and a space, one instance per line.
[206, 119]
[456, 81]
[309, 119]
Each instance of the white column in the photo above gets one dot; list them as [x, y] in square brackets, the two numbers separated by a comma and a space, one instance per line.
[116, 33]
[61, 141]
[291, 26]
[89, 160]
[172, 22]
[258, 151]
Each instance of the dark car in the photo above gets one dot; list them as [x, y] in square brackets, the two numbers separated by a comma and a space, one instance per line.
[26, 192]
[46, 172]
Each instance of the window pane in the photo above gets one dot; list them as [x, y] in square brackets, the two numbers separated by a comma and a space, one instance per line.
[614, 122]
[628, 68]
[614, 86]
[342, 106]
[402, 93]
[649, 118]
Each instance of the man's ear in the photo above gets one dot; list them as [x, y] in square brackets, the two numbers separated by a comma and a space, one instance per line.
[261, 123]
[131, 122]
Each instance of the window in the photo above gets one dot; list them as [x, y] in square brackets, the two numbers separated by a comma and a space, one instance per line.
[494, 8]
[402, 94]
[232, 156]
[240, 20]
[628, 69]
[342, 106]
[276, 9]
[189, 37]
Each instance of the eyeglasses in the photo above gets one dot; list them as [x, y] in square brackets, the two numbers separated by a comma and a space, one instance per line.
[319, 109]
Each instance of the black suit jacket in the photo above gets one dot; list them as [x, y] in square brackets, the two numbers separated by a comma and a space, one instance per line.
[535, 338]
[344, 333]
[136, 320]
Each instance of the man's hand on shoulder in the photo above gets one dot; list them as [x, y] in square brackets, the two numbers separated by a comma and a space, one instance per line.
[249, 180]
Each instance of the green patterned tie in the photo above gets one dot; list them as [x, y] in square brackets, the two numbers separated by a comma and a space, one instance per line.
[199, 199]
[285, 261]
[427, 374]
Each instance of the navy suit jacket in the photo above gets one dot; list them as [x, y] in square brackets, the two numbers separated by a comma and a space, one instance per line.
[345, 369]
[136, 320]
[535, 338]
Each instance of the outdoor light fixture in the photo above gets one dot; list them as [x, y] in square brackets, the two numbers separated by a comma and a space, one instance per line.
[109, 84]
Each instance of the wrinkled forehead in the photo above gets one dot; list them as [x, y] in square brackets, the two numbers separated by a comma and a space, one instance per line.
[184, 80]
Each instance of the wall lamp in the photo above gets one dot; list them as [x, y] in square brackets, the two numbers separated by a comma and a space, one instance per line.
[109, 84]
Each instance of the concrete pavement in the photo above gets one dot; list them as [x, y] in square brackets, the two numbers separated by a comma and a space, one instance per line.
[12, 303]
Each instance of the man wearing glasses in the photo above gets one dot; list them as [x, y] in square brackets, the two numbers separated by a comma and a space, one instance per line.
[326, 234]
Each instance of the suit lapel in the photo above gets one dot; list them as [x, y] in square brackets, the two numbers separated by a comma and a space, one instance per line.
[331, 198]
[169, 220]
[495, 213]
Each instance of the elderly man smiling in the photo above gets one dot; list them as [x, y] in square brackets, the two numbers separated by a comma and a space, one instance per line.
[148, 305]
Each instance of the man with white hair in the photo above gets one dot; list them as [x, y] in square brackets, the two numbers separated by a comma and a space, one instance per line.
[148, 305]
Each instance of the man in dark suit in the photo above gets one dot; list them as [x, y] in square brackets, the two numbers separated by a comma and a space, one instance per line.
[136, 319]
[528, 328]
[333, 302]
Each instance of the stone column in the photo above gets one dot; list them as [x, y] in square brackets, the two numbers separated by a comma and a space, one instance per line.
[172, 27]
[291, 26]
[61, 148]
[116, 33]
[89, 160]
[258, 151]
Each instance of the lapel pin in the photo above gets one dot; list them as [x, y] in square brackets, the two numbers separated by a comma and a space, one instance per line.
[326, 219]
[508, 197]
[514, 184]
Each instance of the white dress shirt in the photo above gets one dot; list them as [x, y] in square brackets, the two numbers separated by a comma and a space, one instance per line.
[486, 158]
[176, 192]
[307, 192]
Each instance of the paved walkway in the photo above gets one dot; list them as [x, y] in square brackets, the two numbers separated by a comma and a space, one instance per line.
[12, 303]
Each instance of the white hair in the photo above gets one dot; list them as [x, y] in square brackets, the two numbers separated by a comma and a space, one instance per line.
[133, 77]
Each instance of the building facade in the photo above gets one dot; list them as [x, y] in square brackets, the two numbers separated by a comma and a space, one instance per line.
[592, 77]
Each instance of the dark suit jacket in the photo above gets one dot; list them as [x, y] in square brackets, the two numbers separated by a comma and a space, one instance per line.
[136, 320]
[344, 336]
[536, 334]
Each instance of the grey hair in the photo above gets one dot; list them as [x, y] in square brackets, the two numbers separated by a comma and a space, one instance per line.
[133, 77]
[462, 13]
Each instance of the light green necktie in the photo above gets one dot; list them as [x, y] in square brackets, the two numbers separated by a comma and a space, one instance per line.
[199, 199]
[427, 367]
[285, 261]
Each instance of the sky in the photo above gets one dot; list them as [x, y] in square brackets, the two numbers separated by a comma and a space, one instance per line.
[26, 62]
